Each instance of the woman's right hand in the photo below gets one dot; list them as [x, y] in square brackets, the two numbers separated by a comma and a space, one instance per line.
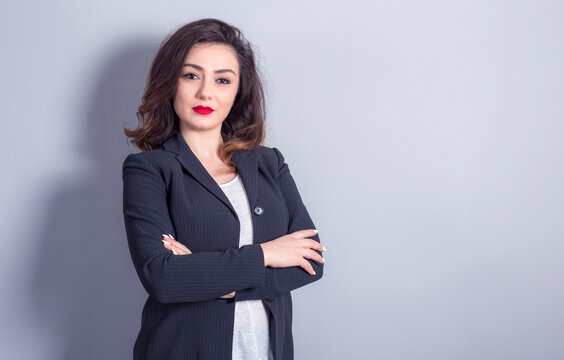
[293, 250]
[176, 247]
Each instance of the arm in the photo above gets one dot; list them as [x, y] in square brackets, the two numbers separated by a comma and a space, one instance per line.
[280, 280]
[166, 277]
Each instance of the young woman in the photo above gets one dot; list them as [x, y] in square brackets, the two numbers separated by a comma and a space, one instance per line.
[216, 227]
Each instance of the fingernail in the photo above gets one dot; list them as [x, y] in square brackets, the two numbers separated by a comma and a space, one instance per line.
[174, 252]
[315, 231]
[314, 272]
[166, 242]
[324, 249]
[165, 235]
[323, 260]
[172, 237]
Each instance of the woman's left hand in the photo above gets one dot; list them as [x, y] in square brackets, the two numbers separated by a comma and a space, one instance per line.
[228, 296]
[180, 249]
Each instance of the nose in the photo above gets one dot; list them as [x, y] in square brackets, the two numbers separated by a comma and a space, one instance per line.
[205, 90]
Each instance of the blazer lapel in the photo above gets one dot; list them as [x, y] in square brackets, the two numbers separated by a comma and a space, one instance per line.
[244, 160]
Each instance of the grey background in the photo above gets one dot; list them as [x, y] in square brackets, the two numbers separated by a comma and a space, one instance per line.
[426, 139]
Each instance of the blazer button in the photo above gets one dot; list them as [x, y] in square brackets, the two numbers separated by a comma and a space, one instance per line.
[258, 210]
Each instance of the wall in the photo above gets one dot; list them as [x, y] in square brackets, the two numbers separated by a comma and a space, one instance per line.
[425, 139]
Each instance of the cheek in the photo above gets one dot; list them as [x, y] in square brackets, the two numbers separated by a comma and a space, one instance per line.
[180, 98]
[229, 97]
[177, 105]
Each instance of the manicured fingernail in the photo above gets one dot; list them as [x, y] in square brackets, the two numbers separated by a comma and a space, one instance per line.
[166, 242]
[324, 249]
[172, 237]
[165, 235]
[174, 252]
[314, 272]
[323, 260]
[315, 231]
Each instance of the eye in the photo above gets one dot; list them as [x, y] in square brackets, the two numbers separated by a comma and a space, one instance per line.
[224, 81]
[189, 75]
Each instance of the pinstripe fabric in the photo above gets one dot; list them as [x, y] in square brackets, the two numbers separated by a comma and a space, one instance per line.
[168, 191]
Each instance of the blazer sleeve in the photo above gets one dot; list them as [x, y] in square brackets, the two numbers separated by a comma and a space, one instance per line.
[173, 278]
[281, 280]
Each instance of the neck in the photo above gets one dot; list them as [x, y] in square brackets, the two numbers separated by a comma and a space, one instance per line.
[206, 145]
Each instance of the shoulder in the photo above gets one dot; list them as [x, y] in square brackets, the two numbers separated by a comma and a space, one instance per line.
[271, 157]
[151, 161]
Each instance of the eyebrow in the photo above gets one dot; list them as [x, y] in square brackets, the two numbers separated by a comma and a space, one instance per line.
[217, 71]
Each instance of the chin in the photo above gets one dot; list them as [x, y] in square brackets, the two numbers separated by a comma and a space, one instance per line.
[203, 125]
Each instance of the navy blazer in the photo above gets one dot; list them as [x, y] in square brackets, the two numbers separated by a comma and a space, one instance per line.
[168, 191]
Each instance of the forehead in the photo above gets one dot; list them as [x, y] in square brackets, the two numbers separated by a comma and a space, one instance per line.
[213, 56]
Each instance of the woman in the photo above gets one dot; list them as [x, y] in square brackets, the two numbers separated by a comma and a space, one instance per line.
[217, 230]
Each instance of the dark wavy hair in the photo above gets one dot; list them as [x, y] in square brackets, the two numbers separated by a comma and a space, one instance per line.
[245, 124]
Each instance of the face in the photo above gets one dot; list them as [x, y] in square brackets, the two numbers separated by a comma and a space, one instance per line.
[209, 78]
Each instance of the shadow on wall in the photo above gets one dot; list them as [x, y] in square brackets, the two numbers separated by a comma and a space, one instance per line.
[85, 292]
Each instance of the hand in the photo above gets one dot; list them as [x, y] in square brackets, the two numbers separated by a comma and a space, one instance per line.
[293, 250]
[180, 249]
[174, 246]
[228, 296]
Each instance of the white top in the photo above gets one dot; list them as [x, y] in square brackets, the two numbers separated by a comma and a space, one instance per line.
[250, 333]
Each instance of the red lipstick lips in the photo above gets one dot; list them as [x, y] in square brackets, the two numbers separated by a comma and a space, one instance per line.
[203, 110]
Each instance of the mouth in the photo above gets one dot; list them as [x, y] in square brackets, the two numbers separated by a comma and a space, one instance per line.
[202, 110]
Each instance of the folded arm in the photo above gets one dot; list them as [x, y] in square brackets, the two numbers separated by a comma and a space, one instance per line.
[171, 278]
[281, 280]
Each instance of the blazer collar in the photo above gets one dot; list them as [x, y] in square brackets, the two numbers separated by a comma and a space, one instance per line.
[244, 160]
